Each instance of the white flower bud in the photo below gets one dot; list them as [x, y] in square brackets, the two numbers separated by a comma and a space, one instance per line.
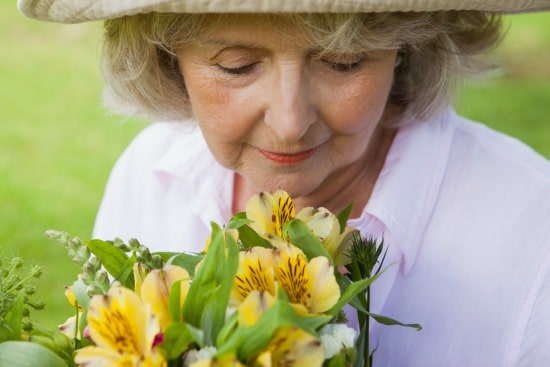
[335, 337]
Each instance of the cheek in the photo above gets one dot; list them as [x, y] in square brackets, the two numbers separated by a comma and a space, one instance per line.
[223, 114]
[358, 105]
[219, 119]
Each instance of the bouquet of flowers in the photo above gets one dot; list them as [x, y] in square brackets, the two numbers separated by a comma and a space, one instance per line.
[268, 290]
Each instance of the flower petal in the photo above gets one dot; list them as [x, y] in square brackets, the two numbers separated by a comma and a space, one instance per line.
[326, 227]
[253, 307]
[155, 290]
[255, 272]
[293, 347]
[336, 337]
[310, 286]
[123, 329]
[269, 213]
[322, 285]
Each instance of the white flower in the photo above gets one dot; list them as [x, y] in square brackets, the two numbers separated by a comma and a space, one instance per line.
[69, 327]
[336, 337]
[196, 355]
[229, 312]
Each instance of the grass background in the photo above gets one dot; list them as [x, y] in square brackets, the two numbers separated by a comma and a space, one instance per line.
[57, 144]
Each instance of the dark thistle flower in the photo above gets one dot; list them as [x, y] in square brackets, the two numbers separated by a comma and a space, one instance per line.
[367, 256]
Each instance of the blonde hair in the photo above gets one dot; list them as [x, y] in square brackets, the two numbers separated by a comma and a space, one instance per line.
[435, 51]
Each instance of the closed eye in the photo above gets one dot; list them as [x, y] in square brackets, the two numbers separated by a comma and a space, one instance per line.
[344, 67]
[237, 71]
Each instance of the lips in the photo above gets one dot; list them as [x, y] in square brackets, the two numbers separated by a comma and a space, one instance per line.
[288, 158]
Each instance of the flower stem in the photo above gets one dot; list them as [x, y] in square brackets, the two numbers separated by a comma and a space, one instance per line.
[367, 330]
[76, 326]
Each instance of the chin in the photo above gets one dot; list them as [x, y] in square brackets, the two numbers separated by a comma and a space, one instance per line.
[295, 187]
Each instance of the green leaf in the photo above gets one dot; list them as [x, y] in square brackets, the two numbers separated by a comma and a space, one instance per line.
[361, 344]
[203, 284]
[228, 328]
[58, 343]
[251, 238]
[214, 314]
[112, 258]
[343, 217]
[187, 261]
[237, 217]
[208, 295]
[10, 326]
[174, 301]
[26, 354]
[247, 342]
[126, 275]
[198, 335]
[384, 320]
[80, 294]
[248, 237]
[337, 361]
[38, 329]
[166, 255]
[302, 237]
[351, 291]
[236, 223]
[177, 339]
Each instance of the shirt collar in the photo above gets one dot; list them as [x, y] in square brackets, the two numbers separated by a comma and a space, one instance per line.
[211, 198]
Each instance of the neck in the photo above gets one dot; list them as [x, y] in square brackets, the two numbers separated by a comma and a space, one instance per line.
[353, 184]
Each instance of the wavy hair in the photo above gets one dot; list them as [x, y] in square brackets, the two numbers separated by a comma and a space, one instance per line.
[435, 51]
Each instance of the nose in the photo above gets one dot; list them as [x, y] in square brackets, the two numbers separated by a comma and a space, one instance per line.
[290, 108]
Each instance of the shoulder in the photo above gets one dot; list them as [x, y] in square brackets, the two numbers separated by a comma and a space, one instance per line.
[493, 165]
[495, 192]
[492, 146]
[153, 142]
[492, 214]
[148, 187]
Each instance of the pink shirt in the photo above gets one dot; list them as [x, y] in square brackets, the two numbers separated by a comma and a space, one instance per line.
[464, 209]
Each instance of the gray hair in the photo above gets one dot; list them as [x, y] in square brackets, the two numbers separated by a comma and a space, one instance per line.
[435, 51]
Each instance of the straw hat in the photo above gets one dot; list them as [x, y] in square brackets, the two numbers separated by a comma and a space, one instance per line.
[76, 11]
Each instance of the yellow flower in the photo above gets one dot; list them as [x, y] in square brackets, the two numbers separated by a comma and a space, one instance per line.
[310, 286]
[226, 232]
[227, 360]
[155, 290]
[69, 327]
[269, 213]
[326, 227]
[255, 272]
[69, 293]
[253, 307]
[124, 331]
[291, 346]
[139, 276]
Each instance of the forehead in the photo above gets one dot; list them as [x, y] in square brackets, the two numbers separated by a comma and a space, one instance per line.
[279, 29]
[331, 33]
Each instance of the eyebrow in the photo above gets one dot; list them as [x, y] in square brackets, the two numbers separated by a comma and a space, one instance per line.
[221, 42]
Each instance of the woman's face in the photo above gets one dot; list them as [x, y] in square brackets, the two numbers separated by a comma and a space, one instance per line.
[279, 113]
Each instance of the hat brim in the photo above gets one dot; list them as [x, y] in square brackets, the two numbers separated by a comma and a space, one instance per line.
[78, 11]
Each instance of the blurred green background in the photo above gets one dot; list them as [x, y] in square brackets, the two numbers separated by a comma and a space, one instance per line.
[57, 143]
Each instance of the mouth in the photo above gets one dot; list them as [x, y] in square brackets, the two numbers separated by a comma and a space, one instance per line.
[287, 158]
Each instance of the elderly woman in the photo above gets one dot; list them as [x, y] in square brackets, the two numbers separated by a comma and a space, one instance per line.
[337, 102]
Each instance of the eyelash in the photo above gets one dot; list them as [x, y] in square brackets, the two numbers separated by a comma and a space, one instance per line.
[344, 67]
[338, 67]
[237, 71]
